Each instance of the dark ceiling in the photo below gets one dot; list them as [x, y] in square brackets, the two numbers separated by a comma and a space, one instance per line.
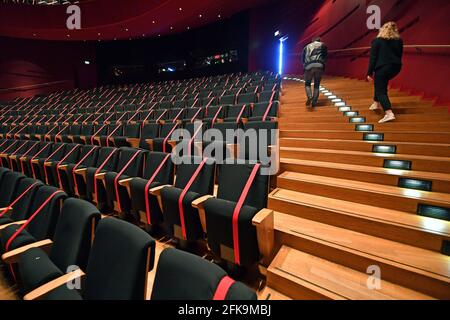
[117, 19]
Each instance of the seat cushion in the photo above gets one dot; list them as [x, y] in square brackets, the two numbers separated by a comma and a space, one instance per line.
[36, 269]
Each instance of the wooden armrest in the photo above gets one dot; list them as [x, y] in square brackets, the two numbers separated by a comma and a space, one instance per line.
[63, 167]
[3, 155]
[172, 143]
[81, 172]
[100, 176]
[97, 139]
[6, 209]
[157, 192]
[12, 223]
[134, 142]
[264, 223]
[162, 122]
[126, 183]
[13, 157]
[149, 142]
[199, 204]
[35, 161]
[45, 289]
[48, 163]
[233, 149]
[14, 255]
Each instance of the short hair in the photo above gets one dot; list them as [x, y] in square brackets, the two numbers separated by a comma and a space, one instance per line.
[316, 39]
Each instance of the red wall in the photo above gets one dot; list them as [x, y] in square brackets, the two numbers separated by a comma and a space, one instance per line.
[31, 67]
[342, 24]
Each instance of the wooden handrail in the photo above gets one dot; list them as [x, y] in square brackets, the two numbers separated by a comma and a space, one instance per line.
[414, 46]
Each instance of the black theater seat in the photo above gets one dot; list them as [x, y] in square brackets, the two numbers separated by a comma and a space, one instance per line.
[119, 261]
[184, 276]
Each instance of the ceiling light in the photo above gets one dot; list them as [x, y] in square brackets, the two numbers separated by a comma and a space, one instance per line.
[153, 21]
[99, 34]
[219, 16]
[188, 28]
[200, 15]
[126, 29]
[87, 62]
[171, 28]
[34, 34]
[180, 9]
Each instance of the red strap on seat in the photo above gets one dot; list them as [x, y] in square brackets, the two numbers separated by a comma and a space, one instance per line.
[147, 187]
[32, 167]
[267, 111]
[237, 210]
[116, 179]
[60, 132]
[160, 117]
[177, 116]
[167, 137]
[240, 113]
[195, 115]
[61, 161]
[17, 199]
[223, 287]
[99, 169]
[215, 117]
[111, 134]
[183, 194]
[98, 131]
[49, 157]
[193, 138]
[78, 164]
[22, 227]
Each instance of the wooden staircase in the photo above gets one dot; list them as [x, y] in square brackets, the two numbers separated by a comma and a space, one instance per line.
[354, 196]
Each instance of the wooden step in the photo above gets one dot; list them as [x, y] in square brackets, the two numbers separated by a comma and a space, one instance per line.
[423, 232]
[440, 182]
[411, 267]
[382, 196]
[419, 163]
[425, 149]
[408, 136]
[289, 110]
[269, 293]
[304, 276]
[391, 126]
[370, 118]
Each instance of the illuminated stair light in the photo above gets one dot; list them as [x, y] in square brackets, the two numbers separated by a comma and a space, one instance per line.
[416, 184]
[340, 104]
[351, 113]
[345, 109]
[336, 100]
[384, 149]
[332, 97]
[433, 212]
[364, 127]
[328, 94]
[397, 164]
[357, 120]
[373, 137]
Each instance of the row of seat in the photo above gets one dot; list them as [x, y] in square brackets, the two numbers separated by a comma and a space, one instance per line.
[141, 183]
[49, 240]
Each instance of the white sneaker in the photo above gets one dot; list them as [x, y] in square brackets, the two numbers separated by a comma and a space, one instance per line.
[374, 106]
[387, 118]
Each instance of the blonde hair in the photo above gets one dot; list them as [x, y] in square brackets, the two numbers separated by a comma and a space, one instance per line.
[389, 31]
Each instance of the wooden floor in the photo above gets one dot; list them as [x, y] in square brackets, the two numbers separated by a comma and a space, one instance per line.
[342, 207]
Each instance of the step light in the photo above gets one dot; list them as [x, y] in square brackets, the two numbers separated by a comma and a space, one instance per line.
[373, 137]
[332, 97]
[364, 127]
[357, 120]
[340, 104]
[416, 184]
[328, 94]
[351, 113]
[336, 100]
[384, 149]
[345, 109]
[433, 212]
[397, 164]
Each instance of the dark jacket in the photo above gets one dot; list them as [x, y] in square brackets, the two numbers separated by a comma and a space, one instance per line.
[315, 52]
[384, 52]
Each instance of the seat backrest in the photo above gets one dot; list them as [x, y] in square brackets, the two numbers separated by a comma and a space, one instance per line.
[134, 169]
[266, 135]
[120, 258]
[152, 163]
[204, 182]
[232, 180]
[166, 129]
[91, 159]
[25, 196]
[8, 186]
[150, 131]
[42, 226]
[132, 130]
[103, 154]
[183, 276]
[74, 234]
[86, 129]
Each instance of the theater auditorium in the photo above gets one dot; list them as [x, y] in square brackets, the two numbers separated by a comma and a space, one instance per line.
[224, 150]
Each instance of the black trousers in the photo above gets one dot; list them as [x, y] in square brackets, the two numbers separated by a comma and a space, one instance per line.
[316, 74]
[381, 81]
